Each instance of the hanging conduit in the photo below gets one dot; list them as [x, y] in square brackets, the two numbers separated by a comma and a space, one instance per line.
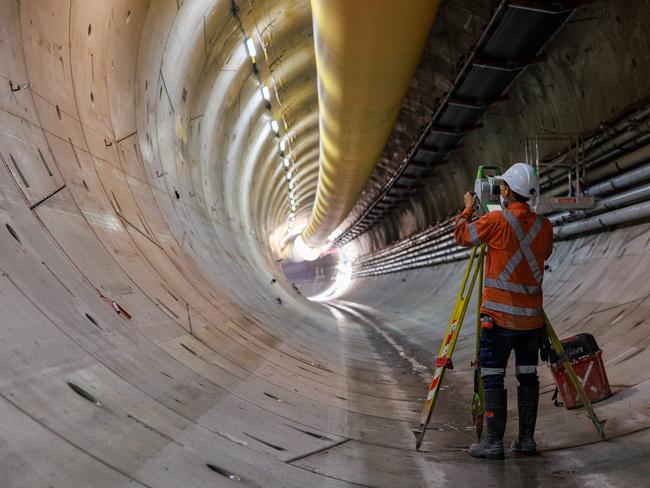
[366, 55]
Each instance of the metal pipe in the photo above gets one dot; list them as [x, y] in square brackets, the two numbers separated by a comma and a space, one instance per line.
[601, 143]
[637, 194]
[435, 244]
[366, 54]
[620, 216]
[418, 250]
[457, 256]
[632, 128]
[634, 195]
[629, 160]
[413, 259]
[413, 240]
[630, 145]
[419, 259]
[613, 217]
[619, 182]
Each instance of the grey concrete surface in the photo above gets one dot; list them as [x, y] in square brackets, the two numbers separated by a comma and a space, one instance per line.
[143, 341]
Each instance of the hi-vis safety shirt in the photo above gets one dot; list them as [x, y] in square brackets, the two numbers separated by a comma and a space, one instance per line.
[518, 242]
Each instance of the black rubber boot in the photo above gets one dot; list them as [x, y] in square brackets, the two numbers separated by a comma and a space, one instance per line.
[527, 401]
[491, 446]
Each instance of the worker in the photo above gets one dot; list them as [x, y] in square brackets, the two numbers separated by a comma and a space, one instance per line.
[512, 317]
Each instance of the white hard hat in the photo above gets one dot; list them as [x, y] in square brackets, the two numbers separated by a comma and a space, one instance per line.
[522, 179]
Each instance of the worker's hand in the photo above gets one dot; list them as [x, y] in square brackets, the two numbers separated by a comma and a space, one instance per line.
[470, 200]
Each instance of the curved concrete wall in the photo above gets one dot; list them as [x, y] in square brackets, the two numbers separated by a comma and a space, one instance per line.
[114, 199]
[147, 336]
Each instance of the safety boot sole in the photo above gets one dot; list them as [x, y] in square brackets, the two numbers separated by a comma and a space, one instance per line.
[477, 453]
[524, 451]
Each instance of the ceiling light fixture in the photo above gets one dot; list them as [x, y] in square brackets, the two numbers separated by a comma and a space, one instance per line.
[250, 48]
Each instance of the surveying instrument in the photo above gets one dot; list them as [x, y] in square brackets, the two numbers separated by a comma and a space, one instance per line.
[486, 188]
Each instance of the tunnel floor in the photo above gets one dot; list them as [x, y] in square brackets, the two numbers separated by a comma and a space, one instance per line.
[443, 459]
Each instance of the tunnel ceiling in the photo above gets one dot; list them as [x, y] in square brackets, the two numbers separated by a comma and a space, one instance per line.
[176, 84]
[210, 89]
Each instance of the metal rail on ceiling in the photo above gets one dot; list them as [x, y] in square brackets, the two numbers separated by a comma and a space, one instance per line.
[511, 41]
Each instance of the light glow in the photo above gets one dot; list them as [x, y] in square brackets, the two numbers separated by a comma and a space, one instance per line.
[285, 161]
[250, 47]
[274, 126]
[335, 233]
[283, 145]
[304, 251]
[342, 281]
[266, 93]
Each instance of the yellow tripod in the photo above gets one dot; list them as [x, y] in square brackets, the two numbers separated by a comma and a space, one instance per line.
[474, 270]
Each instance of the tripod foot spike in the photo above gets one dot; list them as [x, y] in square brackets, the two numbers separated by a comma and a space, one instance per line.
[599, 425]
[419, 436]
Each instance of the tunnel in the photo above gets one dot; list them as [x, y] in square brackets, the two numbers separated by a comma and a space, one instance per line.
[161, 160]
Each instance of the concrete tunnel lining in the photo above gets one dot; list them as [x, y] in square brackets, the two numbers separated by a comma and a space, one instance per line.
[211, 368]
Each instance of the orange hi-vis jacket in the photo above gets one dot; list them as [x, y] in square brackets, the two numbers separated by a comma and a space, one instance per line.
[518, 242]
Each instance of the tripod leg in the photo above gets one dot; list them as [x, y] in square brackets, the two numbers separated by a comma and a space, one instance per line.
[478, 405]
[443, 360]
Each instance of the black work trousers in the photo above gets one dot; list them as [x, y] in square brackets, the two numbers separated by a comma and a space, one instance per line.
[495, 345]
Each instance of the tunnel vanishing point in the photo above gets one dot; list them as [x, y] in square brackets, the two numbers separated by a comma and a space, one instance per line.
[226, 252]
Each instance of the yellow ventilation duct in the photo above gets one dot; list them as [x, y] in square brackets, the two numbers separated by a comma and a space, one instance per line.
[366, 54]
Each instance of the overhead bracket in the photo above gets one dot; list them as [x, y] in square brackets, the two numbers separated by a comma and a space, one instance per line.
[506, 65]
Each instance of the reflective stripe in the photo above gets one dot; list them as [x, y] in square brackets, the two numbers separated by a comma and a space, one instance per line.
[525, 369]
[473, 234]
[515, 287]
[514, 223]
[524, 242]
[528, 253]
[512, 310]
[532, 262]
[491, 371]
[511, 265]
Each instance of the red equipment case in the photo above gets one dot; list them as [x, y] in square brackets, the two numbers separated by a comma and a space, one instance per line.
[587, 361]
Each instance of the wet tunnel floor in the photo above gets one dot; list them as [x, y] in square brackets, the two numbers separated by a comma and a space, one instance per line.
[443, 460]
